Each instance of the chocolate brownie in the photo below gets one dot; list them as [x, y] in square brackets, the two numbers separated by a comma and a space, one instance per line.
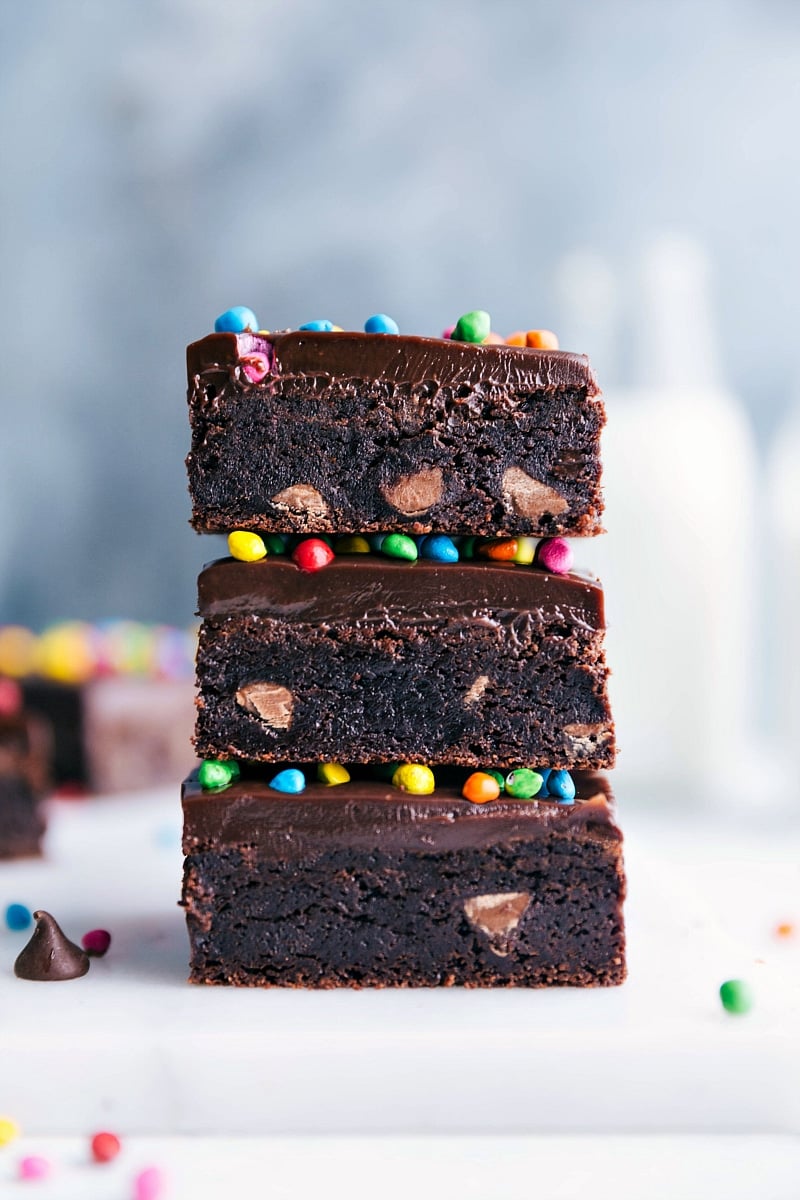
[24, 762]
[383, 660]
[362, 885]
[349, 432]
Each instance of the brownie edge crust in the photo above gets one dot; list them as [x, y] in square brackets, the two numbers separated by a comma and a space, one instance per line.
[360, 885]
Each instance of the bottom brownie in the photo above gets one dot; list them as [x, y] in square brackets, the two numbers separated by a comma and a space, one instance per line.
[362, 885]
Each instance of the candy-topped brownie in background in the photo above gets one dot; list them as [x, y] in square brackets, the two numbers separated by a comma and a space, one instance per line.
[25, 753]
[321, 430]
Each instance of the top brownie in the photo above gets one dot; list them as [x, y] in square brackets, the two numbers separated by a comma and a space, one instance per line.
[358, 432]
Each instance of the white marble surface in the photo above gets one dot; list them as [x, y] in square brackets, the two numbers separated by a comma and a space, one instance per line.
[132, 1046]
[429, 1168]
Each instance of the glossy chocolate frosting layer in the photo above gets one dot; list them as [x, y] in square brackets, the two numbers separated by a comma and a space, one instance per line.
[415, 361]
[364, 589]
[368, 814]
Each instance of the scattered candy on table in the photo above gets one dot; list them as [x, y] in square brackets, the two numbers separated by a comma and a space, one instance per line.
[34, 1167]
[317, 327]
[149, 1184]
[9, 1130]
[480, 788]
[736, 996]
[236, 320]
[246, 546]
[18, 917]
[215, 774]
[472, 327]
[541, 339]
[312, 554]
[105, 1147]
[438, 547]
[561, 786]
[380, 323]
[333, 774]
[555, 555]
[291, 780]
[415, 779]
[96, 942]
[523, 784]
[785, 930]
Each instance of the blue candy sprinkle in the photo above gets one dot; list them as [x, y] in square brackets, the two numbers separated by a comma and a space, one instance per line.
[439, 547]
[291, 780]
[18, 917]
[317, 327]
[380, 323]
[545, 773]
[236, 320]
[561, 787]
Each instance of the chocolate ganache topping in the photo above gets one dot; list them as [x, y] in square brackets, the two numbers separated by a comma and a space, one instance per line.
[364, 590]
[417, 362]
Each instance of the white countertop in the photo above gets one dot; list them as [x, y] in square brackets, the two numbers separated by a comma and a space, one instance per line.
[134, 1047]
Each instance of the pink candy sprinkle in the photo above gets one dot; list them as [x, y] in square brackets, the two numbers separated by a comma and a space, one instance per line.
[255, 366]
[448, 333]
[148, 1184]
[10, 697]
[96, 942]
[555, 555]
[34, 1167]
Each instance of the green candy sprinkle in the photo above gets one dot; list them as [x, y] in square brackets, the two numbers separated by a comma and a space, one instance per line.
[736, 996]
[215, 775]
[398, 545]
[467, 547]
[274, 543]
[523, 784]
[472, 327]
[498, 775]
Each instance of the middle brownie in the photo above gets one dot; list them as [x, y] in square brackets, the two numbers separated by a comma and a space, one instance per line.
[380, 661]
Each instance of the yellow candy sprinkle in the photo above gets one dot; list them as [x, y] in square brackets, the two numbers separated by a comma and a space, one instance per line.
[263, 333]
[526, 549]
[8, 1130]
[66, 652]
[414, 779]
[332, 774]
[247, 547]
[336, 329]
[17, 651]
[354, 544]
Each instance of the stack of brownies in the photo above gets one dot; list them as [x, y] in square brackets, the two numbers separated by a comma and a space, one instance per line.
[401, 686]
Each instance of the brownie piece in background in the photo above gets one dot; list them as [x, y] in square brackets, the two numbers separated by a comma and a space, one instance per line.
[25, 747]
[351, 432]
[381, 660]
[363, 885]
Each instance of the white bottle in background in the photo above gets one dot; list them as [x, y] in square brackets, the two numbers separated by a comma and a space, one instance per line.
[677, 563]
[783, 651]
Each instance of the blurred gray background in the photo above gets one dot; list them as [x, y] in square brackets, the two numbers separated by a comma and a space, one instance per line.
[165, 159]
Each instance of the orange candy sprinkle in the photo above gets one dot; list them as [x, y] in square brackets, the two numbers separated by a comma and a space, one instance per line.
[480, 788]
[541, 339]
[504, 550]
[785, 930]
[517, 339]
